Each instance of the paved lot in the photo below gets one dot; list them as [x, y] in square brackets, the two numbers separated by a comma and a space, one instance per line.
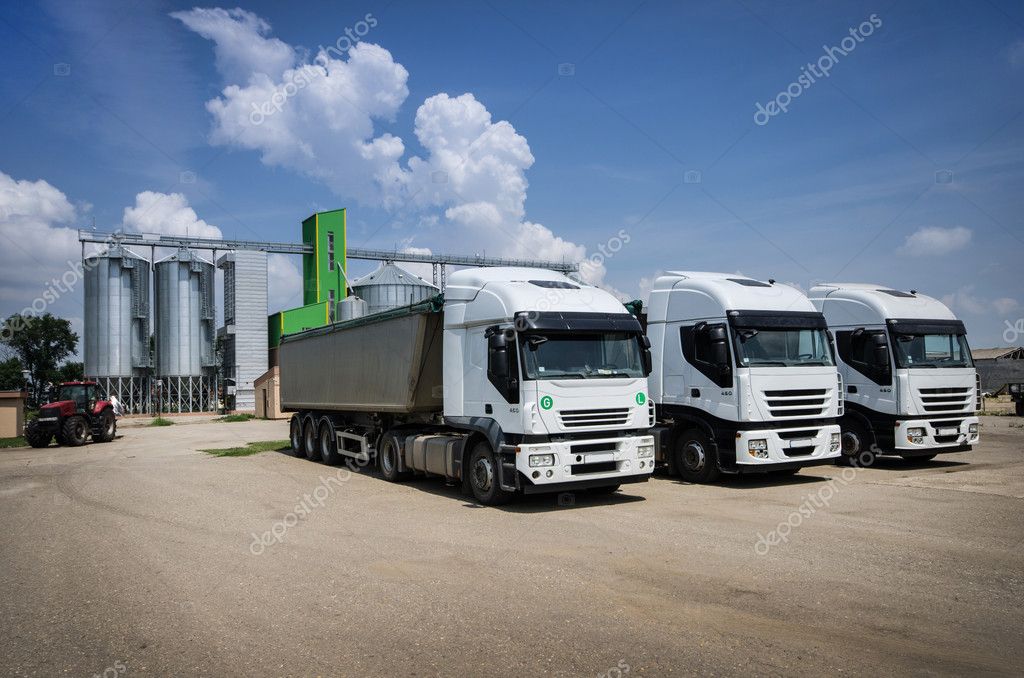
[139, 558]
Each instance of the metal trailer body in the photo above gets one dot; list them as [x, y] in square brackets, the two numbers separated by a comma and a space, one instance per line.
[389, 364]
[443, 387]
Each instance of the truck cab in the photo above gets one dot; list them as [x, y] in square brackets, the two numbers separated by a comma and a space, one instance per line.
[744, 378]
[553, 372]
[912, 389]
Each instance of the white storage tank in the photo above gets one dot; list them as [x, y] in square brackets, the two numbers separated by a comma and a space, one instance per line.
[116, 332]
[185, 314]
[351, 307]
[391, 286]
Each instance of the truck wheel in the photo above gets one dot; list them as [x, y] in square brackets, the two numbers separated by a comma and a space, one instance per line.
[75, 431]
[295, 436]
[388, 458]
[696, 460]
[483, 477]
[107, 427]
[37, 437]
[856, 445]
[309, 442]
[328, 443]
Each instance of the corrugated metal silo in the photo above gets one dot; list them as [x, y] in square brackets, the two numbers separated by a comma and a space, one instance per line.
[185, 331]
[351, 307]
[116, 341]
[391, 286]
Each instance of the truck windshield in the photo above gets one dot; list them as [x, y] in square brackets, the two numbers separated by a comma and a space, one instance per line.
[931, 350]
[782, 347]
[596, 355]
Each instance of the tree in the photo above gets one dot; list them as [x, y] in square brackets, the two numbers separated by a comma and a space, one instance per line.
[41, 343]
[11, 378]
[70, 372]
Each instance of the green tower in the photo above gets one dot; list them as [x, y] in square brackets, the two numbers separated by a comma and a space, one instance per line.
[321, 279]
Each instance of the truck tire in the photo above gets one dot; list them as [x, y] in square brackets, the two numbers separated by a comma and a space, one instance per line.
[309, 439]
[106, 427]
[328, 442]
[295, 436]
[388, 458]
[483, 477]
[695, 457]
[856, 445]
[75, 431]
[37, 437]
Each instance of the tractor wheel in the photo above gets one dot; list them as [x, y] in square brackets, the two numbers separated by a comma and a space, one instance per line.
[75, 431]
[37, 437]
[106, 427]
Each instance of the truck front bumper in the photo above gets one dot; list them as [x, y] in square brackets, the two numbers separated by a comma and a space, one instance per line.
[594, 462]
[784, 448]
[936, 435]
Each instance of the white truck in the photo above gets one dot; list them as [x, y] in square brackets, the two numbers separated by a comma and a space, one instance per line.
[743, 379]
[517, 380]
[911, 386]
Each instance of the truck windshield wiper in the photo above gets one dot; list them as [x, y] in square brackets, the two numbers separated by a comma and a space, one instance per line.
[768, 363]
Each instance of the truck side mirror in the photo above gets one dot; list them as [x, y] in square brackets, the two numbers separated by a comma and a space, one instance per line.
[880, 351]
[645, 355]
[497, 356]
[718, 340]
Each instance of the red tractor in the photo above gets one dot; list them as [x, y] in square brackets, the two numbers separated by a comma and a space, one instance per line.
[73, 417]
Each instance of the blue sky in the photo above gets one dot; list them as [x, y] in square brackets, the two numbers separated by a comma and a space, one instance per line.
[903, 167]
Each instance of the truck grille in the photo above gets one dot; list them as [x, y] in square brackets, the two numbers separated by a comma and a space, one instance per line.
[587, 418]
[946, 399]
[797, 402]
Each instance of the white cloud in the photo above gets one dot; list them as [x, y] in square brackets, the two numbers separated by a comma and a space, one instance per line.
[965, 300]
[167, 214]
[285, 282]
[241, 49]
[319, 119]
[39, 241]
[936, 240]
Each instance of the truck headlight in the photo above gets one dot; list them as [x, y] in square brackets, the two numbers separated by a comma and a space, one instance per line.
[542, 460]
[834, 443]
[644, 451]
[972, 429]
[915, 435]
[758, 448]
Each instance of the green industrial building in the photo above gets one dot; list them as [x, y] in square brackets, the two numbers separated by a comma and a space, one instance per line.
[323, 282]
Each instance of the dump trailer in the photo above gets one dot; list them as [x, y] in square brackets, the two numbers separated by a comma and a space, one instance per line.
[911, 386]
[515, 381]
[744, 379]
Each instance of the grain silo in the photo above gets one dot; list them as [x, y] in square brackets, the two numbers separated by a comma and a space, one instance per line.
[116, 346]
[390, 286]
[185, 332]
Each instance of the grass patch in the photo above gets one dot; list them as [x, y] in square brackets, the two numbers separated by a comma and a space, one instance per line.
[236, 417]
[17, 441]
[160, 421]
[251, 448]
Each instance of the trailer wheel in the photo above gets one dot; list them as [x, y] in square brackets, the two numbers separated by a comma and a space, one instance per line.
[328, 443]
[388, 458]
[309, 442]
[107, 428]
[75, 431]
[36, 436]
[483, 477]
[695, 457]
[295, 435]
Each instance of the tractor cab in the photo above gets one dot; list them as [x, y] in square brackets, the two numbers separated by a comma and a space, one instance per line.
[77, 413]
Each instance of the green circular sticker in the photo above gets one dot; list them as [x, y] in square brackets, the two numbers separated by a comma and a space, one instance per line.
[547, 402]
[641, 398]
